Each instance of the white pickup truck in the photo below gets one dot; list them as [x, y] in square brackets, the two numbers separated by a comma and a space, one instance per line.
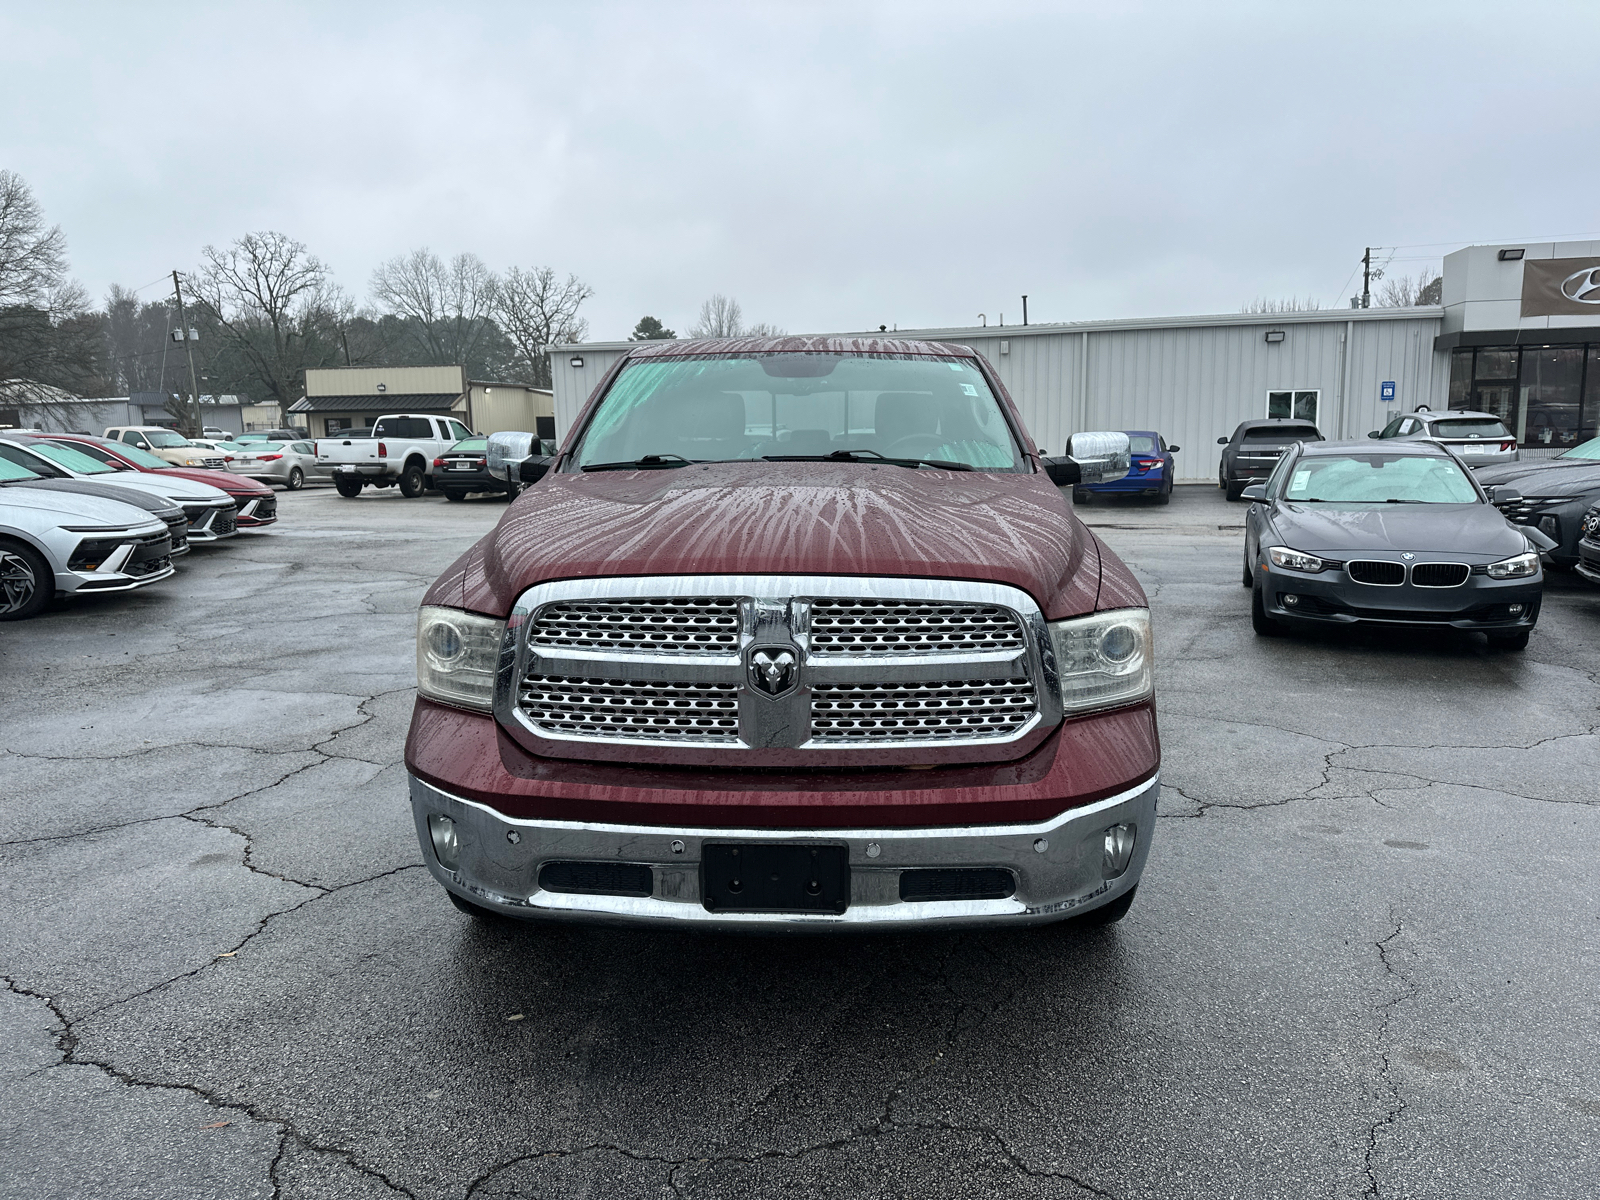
[400, 450]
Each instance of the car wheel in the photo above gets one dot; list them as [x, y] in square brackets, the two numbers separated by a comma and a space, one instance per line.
[1235, 491]
[476, 911]
[454, 494]
[1107, 914]
[27, 583]
[347, 487]
[1249, 579]
[297, 479]
[411, 482]
[1509, 641]
[1264, 625]
[513, 490]
[1164, 497]
[1079, 496]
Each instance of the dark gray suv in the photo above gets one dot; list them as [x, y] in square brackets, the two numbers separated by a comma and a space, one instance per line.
[1254, 449]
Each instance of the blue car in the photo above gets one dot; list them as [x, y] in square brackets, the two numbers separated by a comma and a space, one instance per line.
[1150, 475]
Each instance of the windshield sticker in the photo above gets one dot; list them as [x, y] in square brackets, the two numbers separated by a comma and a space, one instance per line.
[955, 366]
[969, 389]
[1298, 483]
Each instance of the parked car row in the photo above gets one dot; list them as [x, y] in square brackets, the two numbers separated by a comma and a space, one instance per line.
[80, 514]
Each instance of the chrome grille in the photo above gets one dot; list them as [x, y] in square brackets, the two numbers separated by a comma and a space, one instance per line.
[693, 625]
[214, 464]
[632, 708]
[921, 712]
[850, 627]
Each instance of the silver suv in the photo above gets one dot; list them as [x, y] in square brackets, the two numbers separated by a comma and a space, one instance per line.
[1480, 438]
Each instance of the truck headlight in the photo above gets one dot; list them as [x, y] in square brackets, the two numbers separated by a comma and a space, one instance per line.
[1103, 660]
[1295, 560]
[457, 653]
[1517, 567]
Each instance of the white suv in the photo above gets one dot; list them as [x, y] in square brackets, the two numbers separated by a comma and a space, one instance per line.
[1480, 438]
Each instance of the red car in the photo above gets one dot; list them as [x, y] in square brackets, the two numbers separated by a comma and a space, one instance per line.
[257, 503]
[795, 633]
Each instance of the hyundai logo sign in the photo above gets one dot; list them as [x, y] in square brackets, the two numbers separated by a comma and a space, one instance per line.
[1582, 287]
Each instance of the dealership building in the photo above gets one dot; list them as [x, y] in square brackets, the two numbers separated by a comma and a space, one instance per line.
[1517, 334]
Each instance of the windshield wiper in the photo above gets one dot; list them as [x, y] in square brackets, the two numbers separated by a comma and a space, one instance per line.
[650, 462]
[1392, 500]
[869, 456]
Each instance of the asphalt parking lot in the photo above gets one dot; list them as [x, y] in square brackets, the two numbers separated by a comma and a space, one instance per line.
[1363, 960]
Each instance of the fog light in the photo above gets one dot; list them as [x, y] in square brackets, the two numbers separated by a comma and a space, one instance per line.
[1118, 850]
[446, 845]
[1290, 600]
[1514, 609]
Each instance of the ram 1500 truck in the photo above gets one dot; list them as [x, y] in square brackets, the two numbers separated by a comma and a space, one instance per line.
[400, 452]
[793, 633]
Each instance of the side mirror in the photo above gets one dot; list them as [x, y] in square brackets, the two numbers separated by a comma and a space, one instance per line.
[506, 450]
[1256, 493]
[1101, 457]
[1063, 472]
[1503, 494]
[534, 469]
[1222, 441]
[1173, 449]
[1374, 434]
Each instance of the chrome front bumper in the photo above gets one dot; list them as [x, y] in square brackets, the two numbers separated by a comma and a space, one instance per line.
[1057, 864]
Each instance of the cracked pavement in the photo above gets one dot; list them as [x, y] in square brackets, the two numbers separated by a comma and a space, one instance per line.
[1362, 961]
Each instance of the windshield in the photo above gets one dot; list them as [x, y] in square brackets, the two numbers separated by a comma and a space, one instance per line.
[1379, 479]
[166, 439]
[72, 460]
[1470, 427]
[1589, 449]
[10, 472]
[748, 407]
[470, 446]
[1142, 443]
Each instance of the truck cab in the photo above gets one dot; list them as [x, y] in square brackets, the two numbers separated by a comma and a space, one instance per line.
[793, 633]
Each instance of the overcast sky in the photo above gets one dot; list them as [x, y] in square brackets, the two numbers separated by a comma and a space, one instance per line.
[830, 166]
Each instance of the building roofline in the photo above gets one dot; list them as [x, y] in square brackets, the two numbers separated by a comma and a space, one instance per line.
[1319, 316]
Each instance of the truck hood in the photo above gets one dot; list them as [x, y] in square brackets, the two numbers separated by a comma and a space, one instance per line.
[804, 518]
[1476, 532]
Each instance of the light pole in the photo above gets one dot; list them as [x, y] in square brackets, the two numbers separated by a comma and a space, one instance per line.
[188, 336]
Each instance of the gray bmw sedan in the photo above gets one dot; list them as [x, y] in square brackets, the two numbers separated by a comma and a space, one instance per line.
[1344, 533]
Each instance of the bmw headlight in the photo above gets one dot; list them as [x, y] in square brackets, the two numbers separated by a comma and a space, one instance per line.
[1295, 560]
[457, 653]
[1517, 567]
[1103, 660]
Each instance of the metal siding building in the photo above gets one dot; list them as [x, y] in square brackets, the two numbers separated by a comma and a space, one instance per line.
[1191, 379]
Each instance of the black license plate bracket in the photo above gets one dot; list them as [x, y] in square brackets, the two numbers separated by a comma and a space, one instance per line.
[779, 878]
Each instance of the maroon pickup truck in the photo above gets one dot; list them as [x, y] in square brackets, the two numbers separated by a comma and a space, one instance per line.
[793, 633]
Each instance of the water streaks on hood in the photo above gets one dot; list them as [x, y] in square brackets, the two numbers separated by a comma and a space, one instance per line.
[788, 518]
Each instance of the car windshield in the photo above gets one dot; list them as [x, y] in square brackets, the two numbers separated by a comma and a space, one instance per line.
[729, 408]
[470, 446]
[133, 454]
[1589, 449]
[72, 460]
[1470, 427]
[10, 472]
[1142, 443]
[1282, 433]
[1379, 479]
[166, 439]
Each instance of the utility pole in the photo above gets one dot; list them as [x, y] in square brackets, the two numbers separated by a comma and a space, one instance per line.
[194, 383]
[1366, 279]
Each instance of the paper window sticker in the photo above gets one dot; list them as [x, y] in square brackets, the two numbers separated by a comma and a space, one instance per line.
[969, 389]
[1300, 478]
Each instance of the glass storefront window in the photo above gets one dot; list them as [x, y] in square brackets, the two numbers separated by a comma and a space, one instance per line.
[1496, 364]
[1590, 420]
[1549, 395]
[1461, 379]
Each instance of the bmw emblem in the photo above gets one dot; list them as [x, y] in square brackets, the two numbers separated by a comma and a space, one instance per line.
[773, 670]
[1408, 556]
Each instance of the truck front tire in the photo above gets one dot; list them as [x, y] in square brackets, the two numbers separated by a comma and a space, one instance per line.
[348, 487]
[411, 482]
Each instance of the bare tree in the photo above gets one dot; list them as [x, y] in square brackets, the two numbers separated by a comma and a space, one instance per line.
[1291, 305]
[274, 312]
[449, 307]
[1406, 292]
[719, 317]
[536, 310]
[49, 344]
